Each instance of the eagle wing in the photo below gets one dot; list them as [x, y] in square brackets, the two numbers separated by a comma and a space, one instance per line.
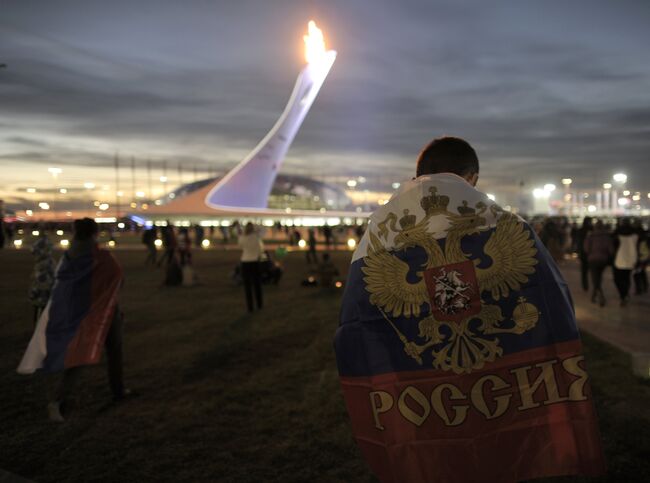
[512, 251]
[385, 277]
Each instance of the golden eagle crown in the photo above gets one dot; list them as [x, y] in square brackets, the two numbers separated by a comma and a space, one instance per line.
[434, 203]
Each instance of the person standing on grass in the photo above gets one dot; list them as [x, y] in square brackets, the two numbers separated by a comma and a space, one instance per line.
[311, 244]
[170, 244]
[252, 248]
[598, 249]
[149, 240]
[43, 278]
[81, 317]
[458, 349]
[627, 255]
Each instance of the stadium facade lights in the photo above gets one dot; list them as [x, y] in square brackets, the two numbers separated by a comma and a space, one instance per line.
[163, 179]
[550, 187]
[54, 171]
[623, 202]
[567, 181]
[120, 194]
[591, 208]
[607, 186]
[139, 194]
[636, 198]
[31, 190]
[63, 191]
[620, 178]
[491, 196]
[44, 206]
[626, 193]
[89, 185]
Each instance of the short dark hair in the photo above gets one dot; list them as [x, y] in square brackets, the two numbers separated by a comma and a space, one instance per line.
[85, 228]
[447, 155]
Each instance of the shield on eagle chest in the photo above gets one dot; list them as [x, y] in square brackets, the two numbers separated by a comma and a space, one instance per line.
[453, 290]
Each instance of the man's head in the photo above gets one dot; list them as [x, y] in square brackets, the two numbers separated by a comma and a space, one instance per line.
[85, 229]
[449, 155]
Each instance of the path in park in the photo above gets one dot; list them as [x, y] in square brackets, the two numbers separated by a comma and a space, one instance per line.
[627, 328]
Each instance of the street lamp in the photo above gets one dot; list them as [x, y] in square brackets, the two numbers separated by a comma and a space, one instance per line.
[550, 187]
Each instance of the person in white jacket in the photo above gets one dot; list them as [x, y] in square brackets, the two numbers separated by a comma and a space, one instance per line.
[627, 255]
[252, 248]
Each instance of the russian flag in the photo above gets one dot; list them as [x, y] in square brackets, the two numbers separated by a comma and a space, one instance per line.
[458, 350]
[72, 329]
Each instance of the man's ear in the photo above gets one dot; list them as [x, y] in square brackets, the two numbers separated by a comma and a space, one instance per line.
[472, 179]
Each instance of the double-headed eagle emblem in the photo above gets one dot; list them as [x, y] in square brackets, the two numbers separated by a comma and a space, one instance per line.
[451, 283]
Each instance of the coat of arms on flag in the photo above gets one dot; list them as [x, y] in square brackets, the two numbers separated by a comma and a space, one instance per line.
[457, 330]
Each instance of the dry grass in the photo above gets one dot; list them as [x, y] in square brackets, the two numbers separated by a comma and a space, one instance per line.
[225, 396]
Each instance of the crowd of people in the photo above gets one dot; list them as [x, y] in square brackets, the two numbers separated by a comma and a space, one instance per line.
[599, 245]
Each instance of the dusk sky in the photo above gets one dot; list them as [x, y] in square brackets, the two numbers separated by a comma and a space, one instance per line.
[543, 89]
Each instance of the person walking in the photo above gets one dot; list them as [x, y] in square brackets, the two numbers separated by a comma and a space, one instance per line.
[81, 317]
[627, 255]
[581, 235]
[640, 276]
[252, 248]
[598, 249]
[43, 276]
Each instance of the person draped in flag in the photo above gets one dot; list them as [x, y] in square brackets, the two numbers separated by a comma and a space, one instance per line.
[458, 351]
[81, 318]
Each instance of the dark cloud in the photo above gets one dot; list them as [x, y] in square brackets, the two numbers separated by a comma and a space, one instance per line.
[539, 88]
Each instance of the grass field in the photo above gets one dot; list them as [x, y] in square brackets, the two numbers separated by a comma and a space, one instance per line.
[227, 396]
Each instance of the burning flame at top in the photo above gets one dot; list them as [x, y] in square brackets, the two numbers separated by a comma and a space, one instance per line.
[314, 43]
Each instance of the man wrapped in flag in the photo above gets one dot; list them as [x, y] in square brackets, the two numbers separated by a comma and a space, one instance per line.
[80, 318]
[458, 350]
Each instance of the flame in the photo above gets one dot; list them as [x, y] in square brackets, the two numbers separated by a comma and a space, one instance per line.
[314, 43]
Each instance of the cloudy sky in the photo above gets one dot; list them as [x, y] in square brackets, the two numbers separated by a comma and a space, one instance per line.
[542, 89]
